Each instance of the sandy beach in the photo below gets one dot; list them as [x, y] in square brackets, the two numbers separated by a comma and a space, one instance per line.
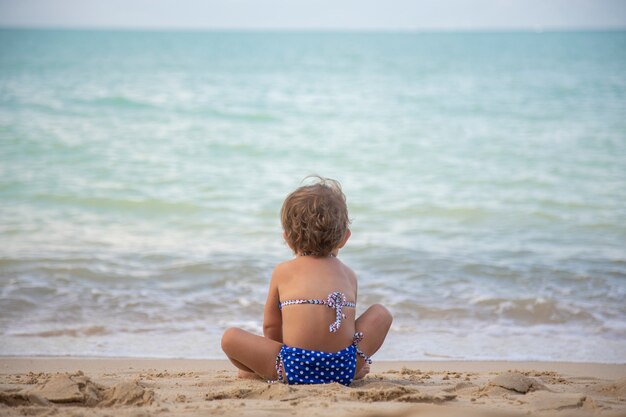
[163, 387]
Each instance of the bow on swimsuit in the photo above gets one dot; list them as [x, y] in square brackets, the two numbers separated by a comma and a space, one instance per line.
[303, 366]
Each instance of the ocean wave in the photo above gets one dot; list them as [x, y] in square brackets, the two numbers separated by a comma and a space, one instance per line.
[72, 332]
[536, 311]
[119, 102]
[144, 205]
[524, 312]
[241, 116]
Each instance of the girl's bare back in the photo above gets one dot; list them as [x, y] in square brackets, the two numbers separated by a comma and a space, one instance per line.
[307, 325]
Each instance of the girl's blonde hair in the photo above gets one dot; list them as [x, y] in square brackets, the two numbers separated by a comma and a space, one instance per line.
[315, 217]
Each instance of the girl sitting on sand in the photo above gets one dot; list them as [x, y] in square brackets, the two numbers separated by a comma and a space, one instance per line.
[310, 308]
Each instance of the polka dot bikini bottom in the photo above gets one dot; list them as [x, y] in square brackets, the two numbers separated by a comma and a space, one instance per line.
[303, 366]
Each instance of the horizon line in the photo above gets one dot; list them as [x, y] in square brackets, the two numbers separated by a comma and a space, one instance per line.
[503, 29]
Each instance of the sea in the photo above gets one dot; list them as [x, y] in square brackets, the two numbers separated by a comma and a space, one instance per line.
[142, 174]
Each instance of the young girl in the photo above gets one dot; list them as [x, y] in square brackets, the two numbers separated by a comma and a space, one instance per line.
[311, 333]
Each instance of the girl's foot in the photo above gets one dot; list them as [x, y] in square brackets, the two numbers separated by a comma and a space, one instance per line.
[364, 371]
[247, 375]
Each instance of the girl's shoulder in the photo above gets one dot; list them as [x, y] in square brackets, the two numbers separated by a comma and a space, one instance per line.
[285, 265]
[283, 270]
[291, 268]
[349, 272]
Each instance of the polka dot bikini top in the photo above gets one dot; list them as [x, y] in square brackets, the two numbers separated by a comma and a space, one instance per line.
[336, 300]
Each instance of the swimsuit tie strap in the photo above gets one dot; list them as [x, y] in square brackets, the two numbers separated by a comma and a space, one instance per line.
[280, 370]
[358, 337]
[336, 300]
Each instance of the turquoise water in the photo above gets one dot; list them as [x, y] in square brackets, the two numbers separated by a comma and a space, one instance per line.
[142, 173]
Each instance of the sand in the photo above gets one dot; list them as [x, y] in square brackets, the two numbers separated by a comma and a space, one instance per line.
[164, 387]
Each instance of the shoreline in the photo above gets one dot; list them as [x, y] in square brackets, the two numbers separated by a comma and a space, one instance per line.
[128, 387]
[72, 363]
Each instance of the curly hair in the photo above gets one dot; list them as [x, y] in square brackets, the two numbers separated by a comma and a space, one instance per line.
[315, 217]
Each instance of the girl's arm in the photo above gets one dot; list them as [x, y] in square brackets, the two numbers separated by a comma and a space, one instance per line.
[272, 318]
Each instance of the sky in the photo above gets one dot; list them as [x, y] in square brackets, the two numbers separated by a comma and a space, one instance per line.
[316, 14]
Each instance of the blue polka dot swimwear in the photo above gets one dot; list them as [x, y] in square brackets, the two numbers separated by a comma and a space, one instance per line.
[302, 366]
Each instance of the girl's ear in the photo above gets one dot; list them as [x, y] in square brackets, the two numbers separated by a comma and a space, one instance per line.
[345, 239]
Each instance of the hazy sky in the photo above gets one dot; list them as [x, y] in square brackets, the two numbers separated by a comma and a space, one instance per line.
[315, 14]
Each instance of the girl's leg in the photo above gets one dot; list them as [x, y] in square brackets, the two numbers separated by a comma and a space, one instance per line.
[251, 353]
[374, 324]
